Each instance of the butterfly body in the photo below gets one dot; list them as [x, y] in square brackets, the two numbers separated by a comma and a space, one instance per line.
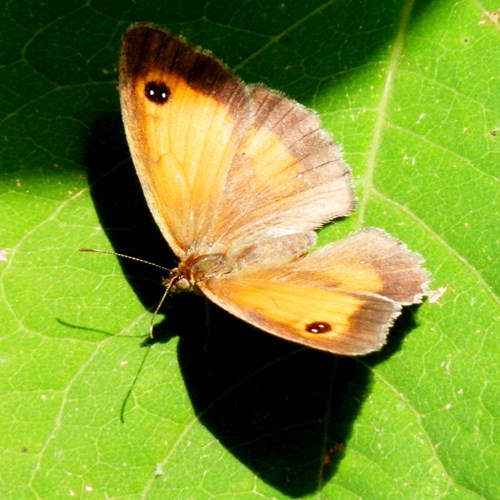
[238, 178]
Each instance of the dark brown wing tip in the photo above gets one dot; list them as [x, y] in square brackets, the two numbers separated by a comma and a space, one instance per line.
[147, 48]
[133, 46]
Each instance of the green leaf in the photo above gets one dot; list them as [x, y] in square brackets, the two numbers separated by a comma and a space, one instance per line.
[410, 89]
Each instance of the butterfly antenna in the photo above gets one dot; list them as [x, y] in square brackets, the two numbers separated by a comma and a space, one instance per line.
[169, 283]
[124, 256]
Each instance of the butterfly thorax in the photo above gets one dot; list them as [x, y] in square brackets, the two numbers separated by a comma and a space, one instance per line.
[196, 268]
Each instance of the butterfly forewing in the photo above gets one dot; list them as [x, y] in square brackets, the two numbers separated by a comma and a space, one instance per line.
[223, 164]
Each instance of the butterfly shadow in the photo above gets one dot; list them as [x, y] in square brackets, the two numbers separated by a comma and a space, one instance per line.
[285, 411]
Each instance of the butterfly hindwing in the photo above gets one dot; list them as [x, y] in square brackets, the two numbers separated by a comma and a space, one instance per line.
[340, 298]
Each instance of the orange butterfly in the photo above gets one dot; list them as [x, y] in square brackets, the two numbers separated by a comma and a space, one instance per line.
[238, 177]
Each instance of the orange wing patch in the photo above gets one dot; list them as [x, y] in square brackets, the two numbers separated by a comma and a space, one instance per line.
[287, 175]
[336, 321]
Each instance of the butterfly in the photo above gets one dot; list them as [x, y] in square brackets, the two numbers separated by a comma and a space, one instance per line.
[237, 178]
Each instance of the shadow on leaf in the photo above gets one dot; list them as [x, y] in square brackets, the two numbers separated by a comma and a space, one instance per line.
[284, 411]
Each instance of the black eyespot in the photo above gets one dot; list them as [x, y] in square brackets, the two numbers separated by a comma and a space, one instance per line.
[318, 327]
[157, 92]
